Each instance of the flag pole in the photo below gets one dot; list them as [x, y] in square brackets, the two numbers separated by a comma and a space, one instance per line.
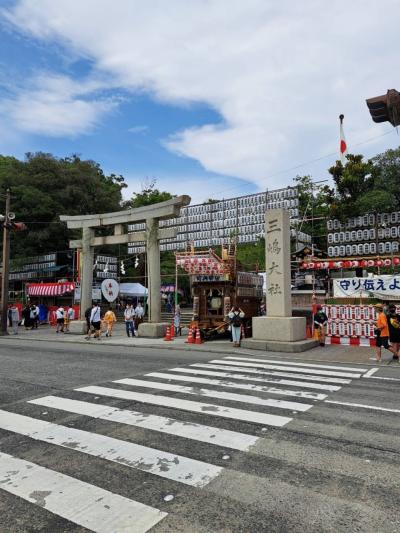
[342, 144]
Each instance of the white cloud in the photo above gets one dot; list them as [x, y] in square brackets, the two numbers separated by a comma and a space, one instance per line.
[56, 106]
[278, 74]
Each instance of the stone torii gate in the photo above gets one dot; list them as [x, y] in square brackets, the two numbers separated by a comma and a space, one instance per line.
[150, 215]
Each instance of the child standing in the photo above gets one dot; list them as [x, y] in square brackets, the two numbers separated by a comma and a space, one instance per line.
[110, 319]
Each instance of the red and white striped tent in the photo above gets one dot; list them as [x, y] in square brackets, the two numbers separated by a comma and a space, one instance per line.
[50, 289]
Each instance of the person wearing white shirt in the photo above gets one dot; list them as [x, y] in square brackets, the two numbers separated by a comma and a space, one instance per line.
[236, 316]
[60, 320]
[139, 314]
[14, 318]
[95, 321]
[129, 316]
[70, 315]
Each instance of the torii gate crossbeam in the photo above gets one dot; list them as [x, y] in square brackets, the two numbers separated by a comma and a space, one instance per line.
[151, 215]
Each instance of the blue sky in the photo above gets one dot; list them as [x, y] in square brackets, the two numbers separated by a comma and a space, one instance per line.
[211, 101]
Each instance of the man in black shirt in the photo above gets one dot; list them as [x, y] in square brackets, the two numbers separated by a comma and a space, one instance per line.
[320, 321]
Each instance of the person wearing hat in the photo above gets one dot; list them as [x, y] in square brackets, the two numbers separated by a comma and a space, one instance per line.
[381, 332]
[320, 322]
[393, 320]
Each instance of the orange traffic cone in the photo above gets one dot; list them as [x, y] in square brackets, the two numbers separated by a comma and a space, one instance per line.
[168, 334]
[308, 332]
[198, 337]
[172, 332]
[189, 339]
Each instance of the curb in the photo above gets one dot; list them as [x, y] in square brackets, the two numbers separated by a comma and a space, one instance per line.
[178, 347]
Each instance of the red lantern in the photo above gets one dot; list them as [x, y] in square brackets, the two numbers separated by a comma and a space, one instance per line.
[331, 264]
[355, 263]
[347, 264]
[396, 261]
[317, 265]
[371, 262]
[387, 262]
[311, 265]
[363, 263]
[379, 263]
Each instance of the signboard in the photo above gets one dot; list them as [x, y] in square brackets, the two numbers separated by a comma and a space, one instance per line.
[110, 289]
[381, 286]
[96, 293]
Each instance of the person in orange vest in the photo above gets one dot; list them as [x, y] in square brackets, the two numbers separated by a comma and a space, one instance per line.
[393, 322]
[109, 319]
[381, 332]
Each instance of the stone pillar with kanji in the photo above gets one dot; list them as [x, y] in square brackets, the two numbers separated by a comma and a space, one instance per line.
[278, 330]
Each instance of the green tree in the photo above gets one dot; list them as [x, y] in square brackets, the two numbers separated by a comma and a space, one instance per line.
[44, 187]
[353, 181]
[251, 256]
[386, 176]
[315, 204]
[149, 195]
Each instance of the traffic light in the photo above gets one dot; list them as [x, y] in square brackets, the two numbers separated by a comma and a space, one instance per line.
[385, 108]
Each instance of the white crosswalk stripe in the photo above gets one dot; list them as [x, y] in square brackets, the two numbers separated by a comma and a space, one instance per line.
[242, 386]
[219, 364]
[278, 366]
[231, 375]
[188, 405]
[308, 365]
[211, 393]
[82, 503]
[171, 426]
[163, 464]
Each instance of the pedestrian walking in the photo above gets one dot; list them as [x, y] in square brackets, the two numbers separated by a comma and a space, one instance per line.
[393, 320]
[69, 315]
[9, 316]
[236, 316]
[26, 315]
[129, 316]
[168, 306]
[14, 313]
[60, 319]
[177, 321]
[381, 332]
[88, 312]
[95, 322]
[110, 319]
[139, 315]
[34, 316]
[320, 322]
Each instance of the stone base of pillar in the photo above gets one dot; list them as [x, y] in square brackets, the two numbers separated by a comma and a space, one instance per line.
[279, 334]
[276, 328]
[279, 346]
[153, 330]
[78, 327]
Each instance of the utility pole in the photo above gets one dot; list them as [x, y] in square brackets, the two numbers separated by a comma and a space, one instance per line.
[6, 267]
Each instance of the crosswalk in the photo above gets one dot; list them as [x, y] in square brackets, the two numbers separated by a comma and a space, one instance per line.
[224, 406]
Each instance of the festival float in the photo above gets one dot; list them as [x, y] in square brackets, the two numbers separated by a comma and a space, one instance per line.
[217, 285]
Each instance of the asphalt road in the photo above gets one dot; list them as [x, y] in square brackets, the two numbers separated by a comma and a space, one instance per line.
[174, 441]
